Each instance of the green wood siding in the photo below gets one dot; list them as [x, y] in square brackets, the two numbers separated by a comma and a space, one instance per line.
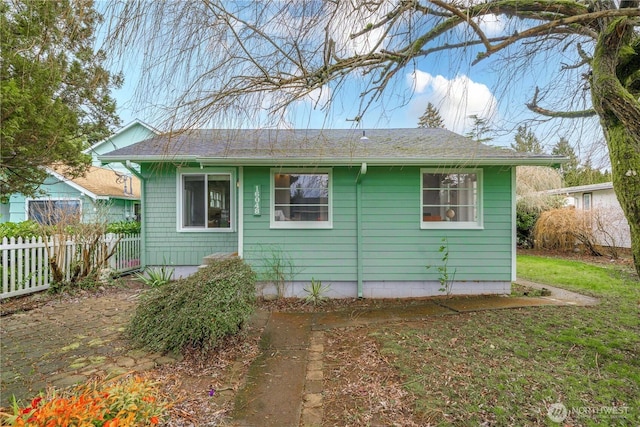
[324, 254]
[164, 244]
[396, 249]
[394, 246]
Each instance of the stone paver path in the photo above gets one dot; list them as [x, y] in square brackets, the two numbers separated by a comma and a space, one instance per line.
[65, 342]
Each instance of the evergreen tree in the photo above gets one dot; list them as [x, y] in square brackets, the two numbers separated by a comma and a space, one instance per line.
[563, 148]
[586, 174]
[54, 89]
[526, 141]
[431, 118]
[479, 129]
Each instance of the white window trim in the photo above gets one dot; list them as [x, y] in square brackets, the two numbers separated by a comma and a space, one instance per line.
[300, 224]
[453, 225]
[232, 210]
[53, 199]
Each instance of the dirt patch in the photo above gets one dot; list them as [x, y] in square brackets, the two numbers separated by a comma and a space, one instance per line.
[202, 387]
[361, 387]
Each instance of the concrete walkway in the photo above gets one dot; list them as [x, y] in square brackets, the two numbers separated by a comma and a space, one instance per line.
[66, 342]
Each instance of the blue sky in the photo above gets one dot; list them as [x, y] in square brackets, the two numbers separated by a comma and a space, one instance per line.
[448, 81]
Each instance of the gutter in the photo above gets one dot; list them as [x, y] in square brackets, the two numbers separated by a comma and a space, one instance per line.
[341, 161]
[359, 243]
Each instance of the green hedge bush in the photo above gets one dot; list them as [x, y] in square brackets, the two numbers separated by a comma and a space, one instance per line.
[22, 229]
[198, 311]
[124, 227]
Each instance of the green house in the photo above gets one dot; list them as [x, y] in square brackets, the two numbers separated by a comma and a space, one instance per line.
[102, 193]
[365, 215]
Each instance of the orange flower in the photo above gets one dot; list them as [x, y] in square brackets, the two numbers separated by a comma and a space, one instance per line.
[112, 423]
[154, 420]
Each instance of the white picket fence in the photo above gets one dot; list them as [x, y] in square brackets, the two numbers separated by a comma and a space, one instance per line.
[25, 267]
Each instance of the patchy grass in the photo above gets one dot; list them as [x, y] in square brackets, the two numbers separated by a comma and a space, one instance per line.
[503, 367]
[612, 281]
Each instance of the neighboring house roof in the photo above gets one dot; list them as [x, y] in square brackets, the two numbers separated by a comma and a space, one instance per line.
[581, 188]
[100, 183]
[329, 146]
[124, 129]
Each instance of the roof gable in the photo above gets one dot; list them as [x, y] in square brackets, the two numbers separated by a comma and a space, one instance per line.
[133, 132]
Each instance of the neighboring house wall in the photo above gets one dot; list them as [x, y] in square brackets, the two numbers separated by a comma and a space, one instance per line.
[610, 225]
[113, 210]
[395, 250]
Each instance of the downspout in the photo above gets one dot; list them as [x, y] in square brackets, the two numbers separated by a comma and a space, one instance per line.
[514, 229]
[240, 211]
[143, 233]
[363, 171]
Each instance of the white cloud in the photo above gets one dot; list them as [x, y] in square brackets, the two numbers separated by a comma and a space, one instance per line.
[456, 99]
[492, 25]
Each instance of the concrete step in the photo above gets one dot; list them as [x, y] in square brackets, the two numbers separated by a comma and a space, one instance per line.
[210, 259]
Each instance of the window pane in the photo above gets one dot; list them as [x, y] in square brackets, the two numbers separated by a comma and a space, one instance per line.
[301, 197]
[219, 201]
[50, 212]
[193, 202]
[450, 197]
[206, 201]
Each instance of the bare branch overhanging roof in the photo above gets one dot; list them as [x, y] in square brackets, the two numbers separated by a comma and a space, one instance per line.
[322, 147]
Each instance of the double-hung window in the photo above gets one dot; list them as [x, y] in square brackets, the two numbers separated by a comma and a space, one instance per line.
[451, 198]
[301, 199]
[205, 202]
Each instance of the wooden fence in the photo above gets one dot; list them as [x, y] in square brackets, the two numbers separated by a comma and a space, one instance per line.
[25, 267]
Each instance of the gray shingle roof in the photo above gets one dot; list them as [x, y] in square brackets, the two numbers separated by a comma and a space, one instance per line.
[321, 146]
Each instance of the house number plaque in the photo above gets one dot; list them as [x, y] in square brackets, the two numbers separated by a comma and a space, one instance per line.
[256, 201]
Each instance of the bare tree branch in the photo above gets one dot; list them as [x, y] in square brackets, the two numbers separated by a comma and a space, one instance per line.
[533, 106]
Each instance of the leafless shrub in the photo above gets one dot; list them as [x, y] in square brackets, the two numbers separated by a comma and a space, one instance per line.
[79, 250]
[607, 228]
[563, 229]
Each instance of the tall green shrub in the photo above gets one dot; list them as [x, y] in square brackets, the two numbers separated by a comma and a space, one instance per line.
[198, 311]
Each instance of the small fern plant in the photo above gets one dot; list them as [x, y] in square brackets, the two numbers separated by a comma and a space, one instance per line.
[447, 277]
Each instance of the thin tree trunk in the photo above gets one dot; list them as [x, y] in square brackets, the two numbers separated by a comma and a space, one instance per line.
[619, 113]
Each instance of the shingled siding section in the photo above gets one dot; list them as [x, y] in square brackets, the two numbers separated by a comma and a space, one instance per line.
[395, 250]
[164, 244]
